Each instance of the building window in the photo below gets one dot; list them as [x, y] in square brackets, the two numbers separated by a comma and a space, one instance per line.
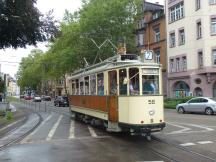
[176, 12]
[157, 55]
[198, 5]
[172, 65]
[214, 56]
[213, 25]
[181, 37]
[156, 34]
[184, 63]
[141, 39]
[177, 64]
[212, 1]
[199, 30]
[200, 59]
[172, 40]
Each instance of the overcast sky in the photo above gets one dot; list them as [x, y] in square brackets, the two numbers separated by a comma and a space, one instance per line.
[10, 58]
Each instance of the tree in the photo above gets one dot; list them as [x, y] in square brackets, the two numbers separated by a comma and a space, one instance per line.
[30, 73]
[22, 24]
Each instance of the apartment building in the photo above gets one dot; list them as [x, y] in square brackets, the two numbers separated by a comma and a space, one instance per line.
[191, 47]
[151, 34]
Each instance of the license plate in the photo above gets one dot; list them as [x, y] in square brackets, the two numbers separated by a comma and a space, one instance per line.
[152, 120]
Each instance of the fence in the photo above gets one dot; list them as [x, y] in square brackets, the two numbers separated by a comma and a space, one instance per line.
[4, 106]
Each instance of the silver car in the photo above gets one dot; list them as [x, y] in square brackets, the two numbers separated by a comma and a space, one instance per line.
[199, 104]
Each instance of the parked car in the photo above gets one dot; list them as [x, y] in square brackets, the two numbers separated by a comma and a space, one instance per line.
[47, 98]
[198, 105]
[61, 101]
[27, 97]
[22, 96]
[37, 99]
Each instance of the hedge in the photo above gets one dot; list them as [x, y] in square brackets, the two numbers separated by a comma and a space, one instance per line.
[170, 103]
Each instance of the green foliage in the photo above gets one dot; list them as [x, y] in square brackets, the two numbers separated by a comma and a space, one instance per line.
[31, 71]
[2, 85]
[98, 20]
[171, 103]
[9, 115]
[22, 24]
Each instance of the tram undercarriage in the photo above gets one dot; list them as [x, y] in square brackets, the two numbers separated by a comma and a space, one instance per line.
[133, 130]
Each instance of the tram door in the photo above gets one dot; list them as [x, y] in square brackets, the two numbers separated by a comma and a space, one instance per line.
[112, 97]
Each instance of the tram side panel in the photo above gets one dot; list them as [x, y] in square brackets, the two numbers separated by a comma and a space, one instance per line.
[130, 111]
[94, 106]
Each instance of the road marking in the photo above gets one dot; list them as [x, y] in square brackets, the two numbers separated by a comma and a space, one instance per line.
[72, 128]
[92, 132]
[183, 130]
[204, 142]
[52, 131]
[187, 144]
[31, 134]
[186, 130]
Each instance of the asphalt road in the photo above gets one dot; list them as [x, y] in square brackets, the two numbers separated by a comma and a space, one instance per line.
[187, 138]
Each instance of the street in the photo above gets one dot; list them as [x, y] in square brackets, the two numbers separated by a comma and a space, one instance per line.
[187, 137]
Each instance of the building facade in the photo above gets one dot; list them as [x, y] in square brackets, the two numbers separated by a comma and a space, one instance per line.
[191, 47]
[151, 35]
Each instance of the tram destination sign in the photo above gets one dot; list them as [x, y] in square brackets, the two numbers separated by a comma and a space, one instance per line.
[150, 71]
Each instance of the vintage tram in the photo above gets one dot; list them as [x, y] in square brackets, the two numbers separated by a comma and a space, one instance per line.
[124, 93]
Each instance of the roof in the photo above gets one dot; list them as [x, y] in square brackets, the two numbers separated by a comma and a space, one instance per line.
[147, 6]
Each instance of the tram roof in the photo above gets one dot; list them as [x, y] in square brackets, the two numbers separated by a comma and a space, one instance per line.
[114, 62]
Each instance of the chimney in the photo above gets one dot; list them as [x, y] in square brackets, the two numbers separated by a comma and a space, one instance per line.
[157, 2]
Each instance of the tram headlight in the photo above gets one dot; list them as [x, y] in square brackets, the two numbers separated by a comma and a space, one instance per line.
[151, 112]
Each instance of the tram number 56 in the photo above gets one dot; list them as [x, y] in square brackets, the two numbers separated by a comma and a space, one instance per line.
[151, 102]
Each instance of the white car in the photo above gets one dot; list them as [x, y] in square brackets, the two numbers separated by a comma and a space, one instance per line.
[37, 99]
[198, 104]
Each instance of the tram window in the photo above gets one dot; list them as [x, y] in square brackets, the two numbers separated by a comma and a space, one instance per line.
[81, 88]
[93, 84]
[73, 88]
[100, 84]
[87, 85]
[123, 81]
[150, 84]
[77, 87]
[113, 83]
[134, 81]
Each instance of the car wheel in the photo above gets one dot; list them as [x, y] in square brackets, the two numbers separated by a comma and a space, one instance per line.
[181, 110]
[208, 111]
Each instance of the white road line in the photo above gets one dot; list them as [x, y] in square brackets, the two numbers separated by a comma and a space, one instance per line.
[187, 144]
[92, 132]
[204, 142]
[31, 134]
[183, 130]
[52, 131]
[72, 128]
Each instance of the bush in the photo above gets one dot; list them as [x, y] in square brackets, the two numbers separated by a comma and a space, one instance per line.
[9, 115]
[171, 103]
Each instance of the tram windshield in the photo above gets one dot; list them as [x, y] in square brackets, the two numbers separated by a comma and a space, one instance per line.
[150, 84]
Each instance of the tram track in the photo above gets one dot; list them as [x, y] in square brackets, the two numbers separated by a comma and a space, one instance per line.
[2, 147]
[184, 150]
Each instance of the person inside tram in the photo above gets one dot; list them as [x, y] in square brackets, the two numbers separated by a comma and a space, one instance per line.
[133, 91]
[147, 87]
[100, 87]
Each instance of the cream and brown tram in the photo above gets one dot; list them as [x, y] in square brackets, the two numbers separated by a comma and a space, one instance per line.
[124, 93]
